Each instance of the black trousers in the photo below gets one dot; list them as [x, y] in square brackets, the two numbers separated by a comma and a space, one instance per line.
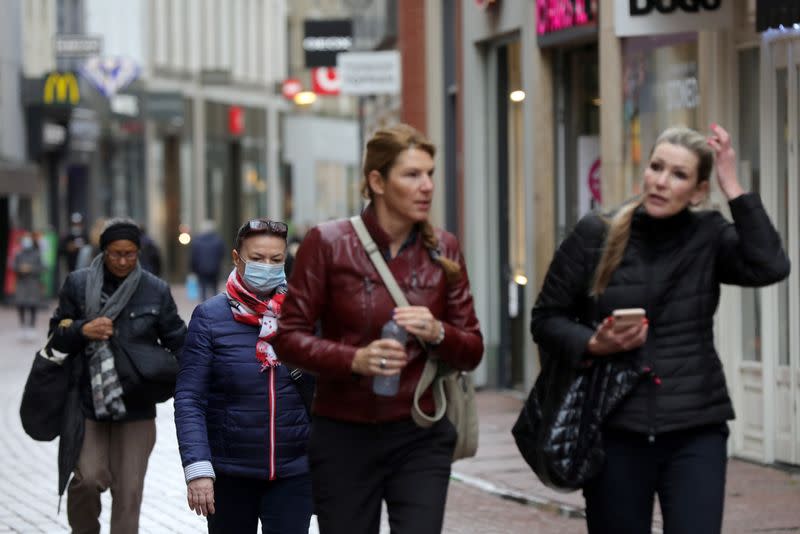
[356, 466]
[686, 469]
[208, 286]
[31, 312]
[282, 505]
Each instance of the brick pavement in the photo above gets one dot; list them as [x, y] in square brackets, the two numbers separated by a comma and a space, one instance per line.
[495, 492]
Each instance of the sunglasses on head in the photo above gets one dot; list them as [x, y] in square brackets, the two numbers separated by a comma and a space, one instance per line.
[263, 225]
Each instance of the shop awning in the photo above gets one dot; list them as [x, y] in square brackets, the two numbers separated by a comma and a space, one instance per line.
[19, 178]
[776, 13]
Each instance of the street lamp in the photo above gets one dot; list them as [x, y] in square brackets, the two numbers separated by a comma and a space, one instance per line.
[305, 98]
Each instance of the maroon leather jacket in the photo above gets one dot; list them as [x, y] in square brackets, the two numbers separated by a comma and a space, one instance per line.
[334, 282]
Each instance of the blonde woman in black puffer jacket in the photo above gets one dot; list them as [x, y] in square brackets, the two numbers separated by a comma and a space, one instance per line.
[668, 437]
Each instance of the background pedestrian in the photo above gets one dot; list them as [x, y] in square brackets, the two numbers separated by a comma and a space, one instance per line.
[28, 290]
[207, 252]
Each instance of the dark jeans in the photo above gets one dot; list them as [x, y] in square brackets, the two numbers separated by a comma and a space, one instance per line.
[208, 286]
[356, 466]
[31, 312]
[283, 505]
[685, 468]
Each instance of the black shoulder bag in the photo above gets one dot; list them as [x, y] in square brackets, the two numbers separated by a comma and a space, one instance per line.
[45, 393]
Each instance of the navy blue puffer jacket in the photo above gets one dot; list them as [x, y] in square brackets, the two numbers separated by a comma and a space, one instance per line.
[223, 403]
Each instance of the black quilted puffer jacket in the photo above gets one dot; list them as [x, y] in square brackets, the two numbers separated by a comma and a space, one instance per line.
[672, 268]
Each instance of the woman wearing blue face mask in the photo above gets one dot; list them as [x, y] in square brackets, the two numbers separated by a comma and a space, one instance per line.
[241, 415]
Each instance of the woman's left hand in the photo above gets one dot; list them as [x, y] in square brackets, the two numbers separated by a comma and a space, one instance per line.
[418, 321]
[725, 162]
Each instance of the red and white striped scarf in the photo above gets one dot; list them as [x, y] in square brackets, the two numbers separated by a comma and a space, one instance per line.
[247, 308]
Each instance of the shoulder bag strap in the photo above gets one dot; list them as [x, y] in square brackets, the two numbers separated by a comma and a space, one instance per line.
[430, 372]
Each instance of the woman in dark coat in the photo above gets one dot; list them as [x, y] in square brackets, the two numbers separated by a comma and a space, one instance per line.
[241, 420]
[108, 429]
[28, 289]
[668, 437]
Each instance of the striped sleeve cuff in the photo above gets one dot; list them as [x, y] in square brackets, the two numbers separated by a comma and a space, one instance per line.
[201, 469]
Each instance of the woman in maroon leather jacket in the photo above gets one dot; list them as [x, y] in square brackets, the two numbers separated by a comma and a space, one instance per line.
[365, 448]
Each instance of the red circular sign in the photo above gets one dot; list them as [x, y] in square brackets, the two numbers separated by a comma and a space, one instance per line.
[290, 87]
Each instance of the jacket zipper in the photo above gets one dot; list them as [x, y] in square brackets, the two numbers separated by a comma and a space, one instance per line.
[650, 367]
[271, 379]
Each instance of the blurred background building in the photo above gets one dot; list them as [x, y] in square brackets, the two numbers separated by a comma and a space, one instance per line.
[177, 111]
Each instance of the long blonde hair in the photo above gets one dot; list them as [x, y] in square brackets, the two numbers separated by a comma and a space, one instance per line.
[619, 225]
[382, 152]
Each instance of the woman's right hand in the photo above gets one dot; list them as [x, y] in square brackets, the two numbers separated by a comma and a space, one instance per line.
[381, 357]
[609, 340]
[200, 494]
[98, 329]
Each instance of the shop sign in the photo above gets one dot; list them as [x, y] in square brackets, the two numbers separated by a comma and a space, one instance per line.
[776, 13]
[61, 88]
[164, 106]
[325, 81]
[235, 120]
[290, 87]
[324, 39]
[53, 135]
[557, 15]
[651, 17]
[127, 105]
[370, 73]
[84, 130]
[77, 45]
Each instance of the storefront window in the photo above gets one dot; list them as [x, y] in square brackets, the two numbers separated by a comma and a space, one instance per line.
[236, 177]
[782, 216]
[337, 190]
[577, 136]
[661, 89]
[750, 175]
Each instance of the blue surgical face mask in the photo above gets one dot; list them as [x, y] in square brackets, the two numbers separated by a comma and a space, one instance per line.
[263, 277]
[26, 242]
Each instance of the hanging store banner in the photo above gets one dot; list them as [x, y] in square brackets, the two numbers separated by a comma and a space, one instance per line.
[109, 75]
[369, 73]
[324, 39]
[560, 22]
[652, 17]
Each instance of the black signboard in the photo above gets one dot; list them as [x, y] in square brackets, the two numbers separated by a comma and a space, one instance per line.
[774, 13]
[324, 39]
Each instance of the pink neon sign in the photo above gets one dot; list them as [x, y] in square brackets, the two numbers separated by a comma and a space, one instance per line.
[555, 15]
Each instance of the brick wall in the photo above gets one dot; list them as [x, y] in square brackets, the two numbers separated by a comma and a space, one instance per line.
[411, 43]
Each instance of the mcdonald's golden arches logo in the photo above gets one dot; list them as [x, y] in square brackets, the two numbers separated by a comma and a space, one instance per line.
[61, 88]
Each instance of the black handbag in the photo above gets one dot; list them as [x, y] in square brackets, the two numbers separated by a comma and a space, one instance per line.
[147, 372]
[558, 430]
[44, 397]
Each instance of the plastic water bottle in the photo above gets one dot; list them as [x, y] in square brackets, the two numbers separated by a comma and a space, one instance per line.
[387, 385]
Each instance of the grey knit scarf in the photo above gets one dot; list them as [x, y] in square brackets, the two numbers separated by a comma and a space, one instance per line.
[106, 388]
